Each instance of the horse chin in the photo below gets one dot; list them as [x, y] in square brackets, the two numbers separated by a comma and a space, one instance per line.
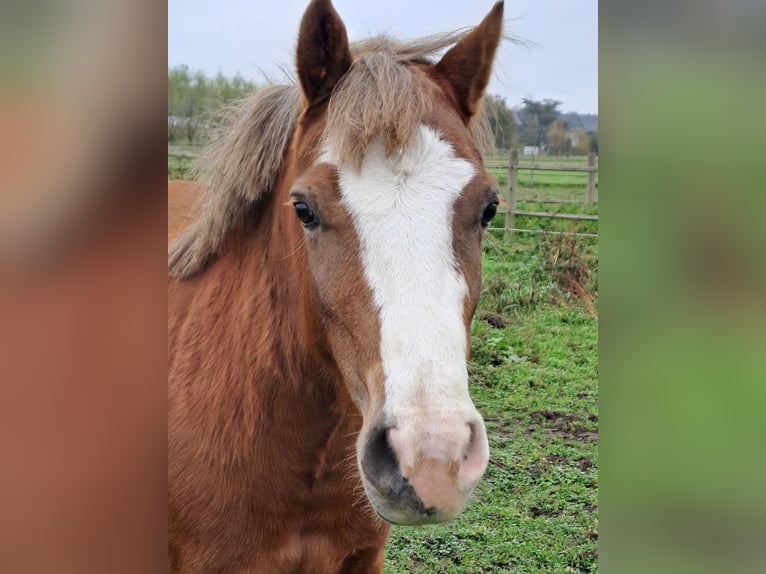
[402, 519]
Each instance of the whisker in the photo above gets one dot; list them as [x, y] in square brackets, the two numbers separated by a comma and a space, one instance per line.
[301, 243]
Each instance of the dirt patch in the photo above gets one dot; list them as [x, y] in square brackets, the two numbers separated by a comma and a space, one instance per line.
[566, 425]
[553, 423]
[545, 512]
[557, 459]
[499, 427]
[539, 468]
[495, 320]
[536, 470]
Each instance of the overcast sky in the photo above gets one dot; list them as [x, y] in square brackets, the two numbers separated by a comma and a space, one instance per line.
[251, 37]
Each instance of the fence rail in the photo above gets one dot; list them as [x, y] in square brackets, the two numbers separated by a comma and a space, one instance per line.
[544, 231]
[513, 178]
[533, 167]
[573, 216]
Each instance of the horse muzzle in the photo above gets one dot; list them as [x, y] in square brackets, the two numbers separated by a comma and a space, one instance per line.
[423, 469]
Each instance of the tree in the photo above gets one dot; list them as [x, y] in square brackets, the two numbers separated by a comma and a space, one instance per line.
[530, 135]
[501, 121]
[224, 90]
[194, 104]
[557, 137]
[581, 142]
[178, 86]
[193, 95]
[179, 82]
[538, 116]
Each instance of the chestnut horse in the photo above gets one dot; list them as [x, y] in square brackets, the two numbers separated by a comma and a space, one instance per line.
[320, 299]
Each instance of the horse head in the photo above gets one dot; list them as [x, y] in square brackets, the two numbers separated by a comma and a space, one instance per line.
[389, 188]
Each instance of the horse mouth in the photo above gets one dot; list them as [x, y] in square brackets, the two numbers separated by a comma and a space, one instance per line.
[403, 514]
[394, 500]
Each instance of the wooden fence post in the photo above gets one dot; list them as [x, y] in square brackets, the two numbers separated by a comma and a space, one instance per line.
[531, 183]
[591, 179]
[510, 213]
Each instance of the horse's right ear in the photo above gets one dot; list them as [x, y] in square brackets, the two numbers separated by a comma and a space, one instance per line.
[323, 52]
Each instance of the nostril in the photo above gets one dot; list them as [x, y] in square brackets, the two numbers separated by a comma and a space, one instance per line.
[379, 462]
[475, 456]
[471, 440]
[380, 470]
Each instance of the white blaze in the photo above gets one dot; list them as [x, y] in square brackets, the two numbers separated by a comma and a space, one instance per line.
[402, 208]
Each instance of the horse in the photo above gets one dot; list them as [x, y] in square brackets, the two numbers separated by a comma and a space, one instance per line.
[322, 284]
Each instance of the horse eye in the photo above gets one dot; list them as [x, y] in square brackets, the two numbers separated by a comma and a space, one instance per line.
[488, 215]
[305, 215]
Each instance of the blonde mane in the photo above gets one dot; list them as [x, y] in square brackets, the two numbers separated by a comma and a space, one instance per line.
[380, 95]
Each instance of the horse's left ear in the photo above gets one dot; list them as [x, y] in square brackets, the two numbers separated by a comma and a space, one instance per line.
[323, 52]
[468, 65]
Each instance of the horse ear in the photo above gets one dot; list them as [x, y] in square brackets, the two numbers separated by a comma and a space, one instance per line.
[323, 52]
[467, 67]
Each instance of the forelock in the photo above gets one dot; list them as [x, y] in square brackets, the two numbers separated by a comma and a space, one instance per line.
[378, 97]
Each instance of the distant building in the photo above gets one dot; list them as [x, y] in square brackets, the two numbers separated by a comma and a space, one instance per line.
[531, 150]
[573, 122]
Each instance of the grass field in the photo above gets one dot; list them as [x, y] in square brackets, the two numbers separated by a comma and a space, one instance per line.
[533, 376]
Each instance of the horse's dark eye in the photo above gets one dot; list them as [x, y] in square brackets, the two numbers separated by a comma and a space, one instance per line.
[489, 213]
[305, 215]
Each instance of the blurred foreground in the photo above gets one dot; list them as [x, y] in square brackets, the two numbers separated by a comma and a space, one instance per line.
[82, 275]
[683, 284]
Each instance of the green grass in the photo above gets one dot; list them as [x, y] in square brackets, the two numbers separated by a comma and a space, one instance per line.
[179, 167]
[535, 382]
